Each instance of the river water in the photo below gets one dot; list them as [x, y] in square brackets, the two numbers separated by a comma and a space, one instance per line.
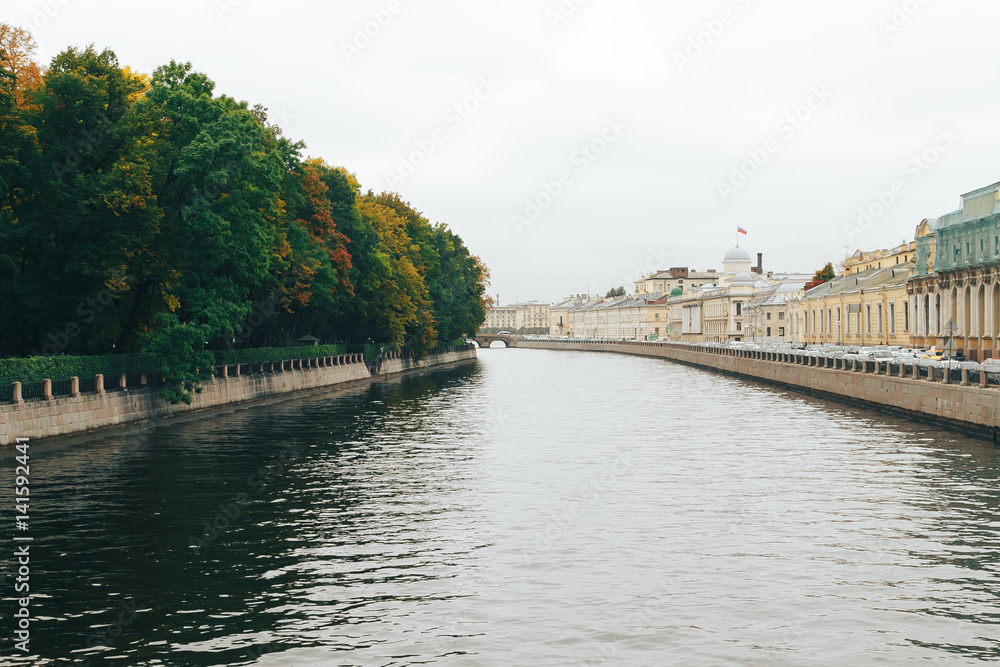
[532, 508]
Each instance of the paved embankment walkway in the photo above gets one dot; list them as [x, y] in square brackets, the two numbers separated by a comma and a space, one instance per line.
[913, 390]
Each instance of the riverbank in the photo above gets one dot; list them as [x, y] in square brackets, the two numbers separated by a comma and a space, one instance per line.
[914, 391]
[106, 408]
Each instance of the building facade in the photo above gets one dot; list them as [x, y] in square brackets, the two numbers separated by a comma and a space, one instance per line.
[530, 317]
[767, 313]
[878, 259]
[865, 308]
[955, 290]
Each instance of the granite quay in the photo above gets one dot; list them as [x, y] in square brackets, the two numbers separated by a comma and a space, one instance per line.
[965, 399]
[123, 400]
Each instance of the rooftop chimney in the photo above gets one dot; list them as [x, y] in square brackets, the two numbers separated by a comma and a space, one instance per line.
[760, 264]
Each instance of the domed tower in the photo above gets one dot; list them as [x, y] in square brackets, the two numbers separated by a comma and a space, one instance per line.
[737, 261]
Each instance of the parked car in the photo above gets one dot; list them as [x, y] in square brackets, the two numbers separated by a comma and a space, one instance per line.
[991, 365]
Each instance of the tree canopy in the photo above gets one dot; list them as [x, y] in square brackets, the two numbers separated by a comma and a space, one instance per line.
[152, 214]
[825, 274]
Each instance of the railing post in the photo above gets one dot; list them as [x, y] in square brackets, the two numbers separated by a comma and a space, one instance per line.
[47, 389]
[16, 397]
[983, 380]
[74, 386]
[225, 372]
[122, 381]
[98, 384]
[915, 370]
[143, 380]
[947, 375]
[965, 377]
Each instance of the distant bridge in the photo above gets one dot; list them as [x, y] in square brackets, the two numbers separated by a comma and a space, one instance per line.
[485, 340]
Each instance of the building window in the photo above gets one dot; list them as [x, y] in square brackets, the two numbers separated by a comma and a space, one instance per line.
[781, 315]
[769, 316]
[906, 316]
[982, 250]
[849, 322]
[892, 318]
[868, 320]
[769, 332]
[880, 319]
[739, 308]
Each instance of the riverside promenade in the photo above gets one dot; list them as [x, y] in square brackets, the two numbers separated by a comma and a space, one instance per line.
[115, 403]
[968, 401]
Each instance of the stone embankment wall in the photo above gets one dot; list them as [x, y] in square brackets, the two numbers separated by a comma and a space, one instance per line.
[104, 408]
[916, 391]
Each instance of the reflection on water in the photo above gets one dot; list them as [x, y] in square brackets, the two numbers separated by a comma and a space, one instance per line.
[537, 508]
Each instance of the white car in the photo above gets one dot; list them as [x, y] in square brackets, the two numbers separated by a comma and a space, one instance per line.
[991, 365]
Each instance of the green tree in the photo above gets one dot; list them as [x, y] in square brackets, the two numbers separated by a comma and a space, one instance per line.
[81, 191]
[615, 291]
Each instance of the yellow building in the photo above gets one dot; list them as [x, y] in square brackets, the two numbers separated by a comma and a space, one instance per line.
[863, 308]
[879, 259]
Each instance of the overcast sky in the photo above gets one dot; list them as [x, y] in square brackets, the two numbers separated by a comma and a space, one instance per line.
[596, 139]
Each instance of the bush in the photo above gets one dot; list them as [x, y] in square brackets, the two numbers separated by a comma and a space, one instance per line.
[257, 355]
[63, 367]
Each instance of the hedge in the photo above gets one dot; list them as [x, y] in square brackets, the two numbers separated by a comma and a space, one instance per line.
[62, 367]
[256, 355]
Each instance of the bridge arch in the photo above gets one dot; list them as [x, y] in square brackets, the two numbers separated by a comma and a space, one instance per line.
[485, 340]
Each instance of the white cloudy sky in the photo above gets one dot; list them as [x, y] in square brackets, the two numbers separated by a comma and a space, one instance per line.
[651, 199]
